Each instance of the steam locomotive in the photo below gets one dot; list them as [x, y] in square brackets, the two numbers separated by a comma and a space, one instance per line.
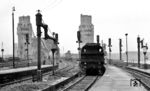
[92, 59]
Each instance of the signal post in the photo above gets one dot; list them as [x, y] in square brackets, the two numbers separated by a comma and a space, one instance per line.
[97, 37]
[138, 42]
[79, 41]
[120, 48]
[109, 45]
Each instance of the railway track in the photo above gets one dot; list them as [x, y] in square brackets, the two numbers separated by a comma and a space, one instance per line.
[142, 76]
[57, 72]
[82, 84]
[45, 75]
[68, 67]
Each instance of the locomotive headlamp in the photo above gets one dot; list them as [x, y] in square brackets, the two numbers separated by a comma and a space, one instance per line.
[100, 50]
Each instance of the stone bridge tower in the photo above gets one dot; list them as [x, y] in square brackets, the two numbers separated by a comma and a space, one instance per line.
[24, 28]
[86, 29]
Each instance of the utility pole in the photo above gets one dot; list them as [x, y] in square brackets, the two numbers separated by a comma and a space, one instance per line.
[126, 47]
[13, 10]
[138, 42]
[2, 50]
[120, 48]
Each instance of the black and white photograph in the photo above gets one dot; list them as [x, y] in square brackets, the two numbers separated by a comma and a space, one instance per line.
[74, 45]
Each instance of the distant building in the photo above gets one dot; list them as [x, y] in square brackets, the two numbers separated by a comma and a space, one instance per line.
[87, 29]
[16, 50]
[25, 28]
[68, 55]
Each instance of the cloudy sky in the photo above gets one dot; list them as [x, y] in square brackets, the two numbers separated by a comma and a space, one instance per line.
[111, 19]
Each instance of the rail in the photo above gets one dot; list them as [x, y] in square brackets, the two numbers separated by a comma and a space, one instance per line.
[138, 74]
[83, 84]
[143, 76]
[60, 84]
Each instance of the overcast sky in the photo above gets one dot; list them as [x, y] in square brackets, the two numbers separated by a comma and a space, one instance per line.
[111, 19]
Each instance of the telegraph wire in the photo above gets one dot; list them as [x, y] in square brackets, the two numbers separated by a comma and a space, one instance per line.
[52, 5]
